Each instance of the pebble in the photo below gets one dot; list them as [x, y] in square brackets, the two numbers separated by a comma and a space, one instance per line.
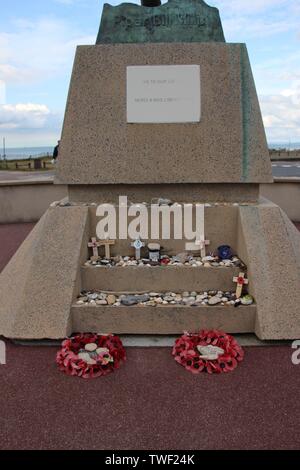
[102, 351]
[86, 358]
[91, 347]
[111, 299]
[156, 299]
[210, 352]
[208, 258]
[214, 300]
[130, 300]
[92, 296]
[182, 259]
[200, 298]
[102, 296]
[101, 302]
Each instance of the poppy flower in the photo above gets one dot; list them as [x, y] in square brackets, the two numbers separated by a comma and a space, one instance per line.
[186, 353]
[112, 354]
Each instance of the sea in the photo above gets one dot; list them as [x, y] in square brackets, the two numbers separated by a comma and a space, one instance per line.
[284, 145]
[26, 152]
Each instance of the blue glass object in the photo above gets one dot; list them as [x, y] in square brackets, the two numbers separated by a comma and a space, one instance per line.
[225, 252]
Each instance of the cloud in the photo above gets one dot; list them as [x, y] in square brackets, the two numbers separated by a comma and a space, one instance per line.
[251, 19]
[12, 74]
[31, 53]
[260, 28]
[41, 51]
[24, 116]
[282, 115]
[250, 7]
[38, 48]
[275, 59]
[29, 124]
[2, 92]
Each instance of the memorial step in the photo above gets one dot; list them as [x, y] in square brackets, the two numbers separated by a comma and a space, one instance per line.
[160, 278]
[162, 320]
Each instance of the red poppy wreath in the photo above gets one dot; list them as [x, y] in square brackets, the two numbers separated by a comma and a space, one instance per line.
[90, 355]
[208, 351]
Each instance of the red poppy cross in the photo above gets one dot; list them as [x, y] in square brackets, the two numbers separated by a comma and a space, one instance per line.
[241, 281]
[95, 245]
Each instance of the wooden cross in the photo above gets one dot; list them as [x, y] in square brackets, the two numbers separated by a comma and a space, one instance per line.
[241, 281]
[202, 243]
[138, 244]
[107, 243]
[95, 245]
[198, 245]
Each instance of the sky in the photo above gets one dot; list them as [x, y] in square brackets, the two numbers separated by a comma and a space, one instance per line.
[38, 41]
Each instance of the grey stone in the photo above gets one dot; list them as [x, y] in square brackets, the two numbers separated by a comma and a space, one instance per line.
[130, 300]
[214, 300]
[168, 298]
[91, 347]
[102, 296]
[92, 297]
[86, 358]
[189, 300]
[101, 302]
[210, 353]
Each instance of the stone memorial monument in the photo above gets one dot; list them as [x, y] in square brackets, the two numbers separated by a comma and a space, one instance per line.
[161, 107]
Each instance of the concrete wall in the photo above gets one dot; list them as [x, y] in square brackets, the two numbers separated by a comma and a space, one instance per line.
[27, 201]
[282, 155]
[286, 194]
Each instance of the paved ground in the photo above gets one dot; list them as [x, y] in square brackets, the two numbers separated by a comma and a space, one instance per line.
[286, 169]
[11, 236]
[150, 403]
[280, 169]
[26, 175]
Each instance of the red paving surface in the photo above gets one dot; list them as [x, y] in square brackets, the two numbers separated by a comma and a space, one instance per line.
[11, 237]
[150, 403]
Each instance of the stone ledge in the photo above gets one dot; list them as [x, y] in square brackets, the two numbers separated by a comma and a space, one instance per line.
[26, 182]
[160, 278]
[163, 320]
